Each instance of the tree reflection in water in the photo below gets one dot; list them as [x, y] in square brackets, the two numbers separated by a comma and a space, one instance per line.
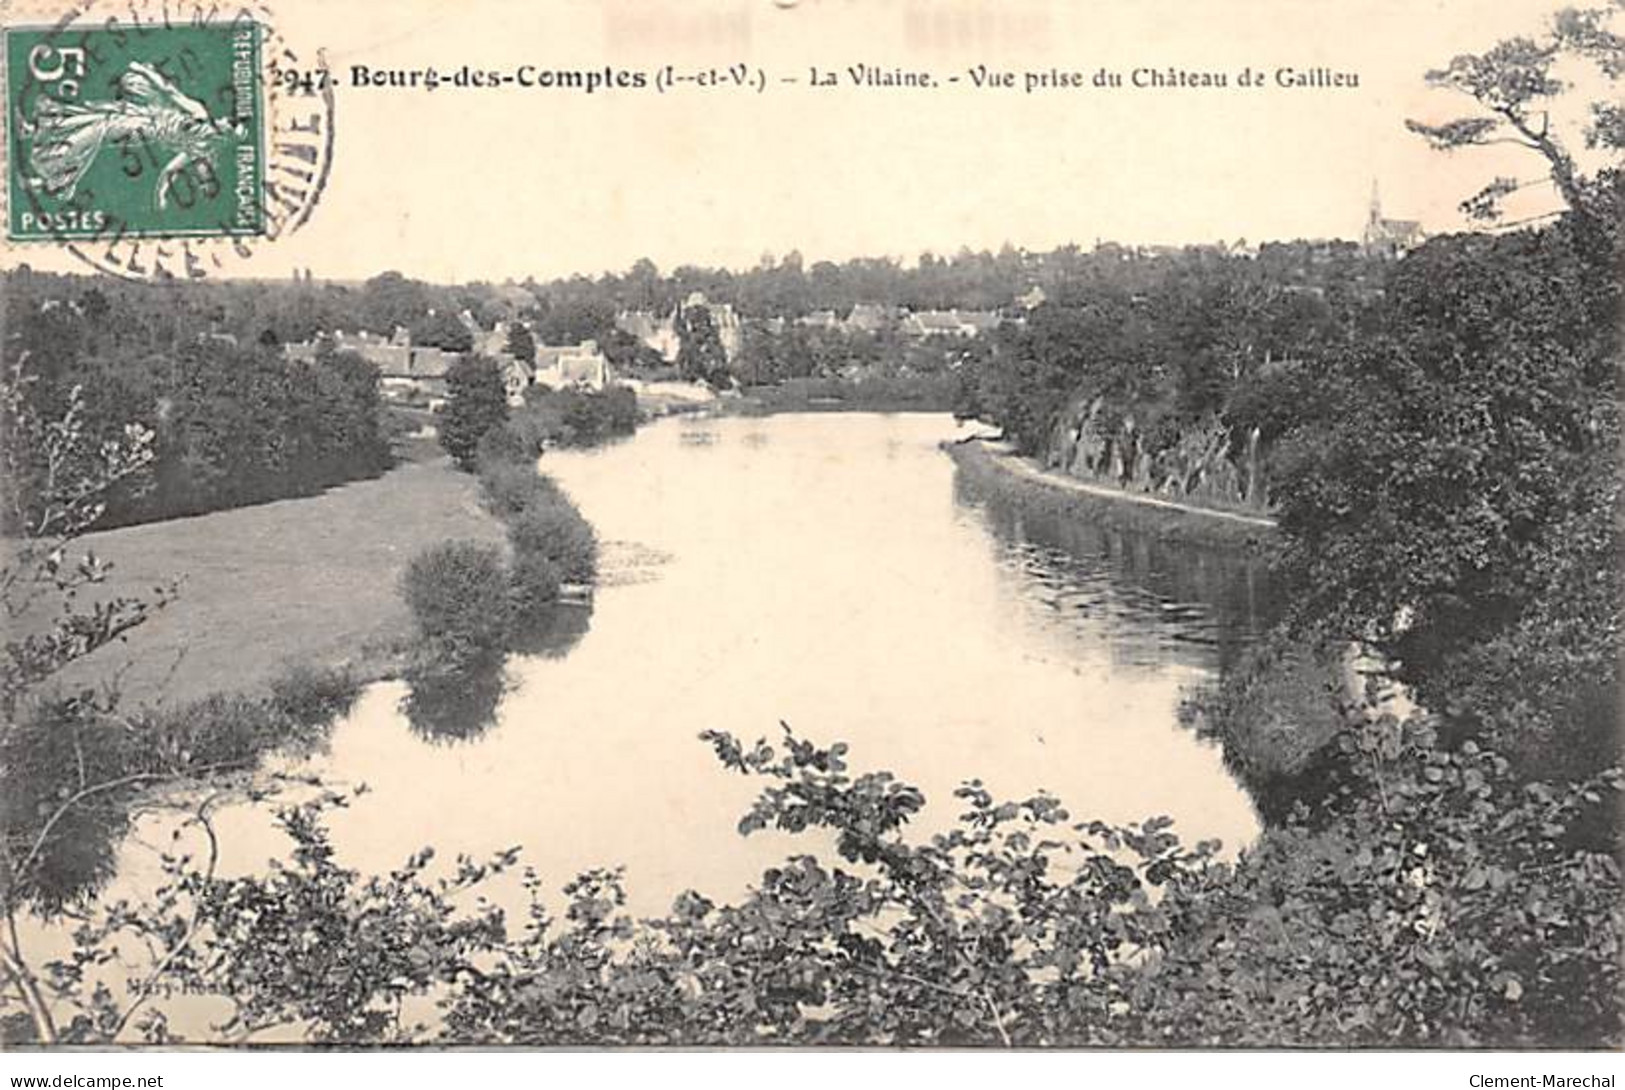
[458, 705]
[451, 706]
[552, 633]
[1207, 596]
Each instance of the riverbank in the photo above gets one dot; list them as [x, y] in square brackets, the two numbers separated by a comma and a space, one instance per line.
[309, 581]
[1276, 712]
[917, 393]
[993, 465]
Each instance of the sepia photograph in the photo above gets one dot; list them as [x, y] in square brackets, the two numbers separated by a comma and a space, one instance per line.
[1066, 526]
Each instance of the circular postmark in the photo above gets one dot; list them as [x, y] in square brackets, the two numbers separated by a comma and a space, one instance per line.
[159, 143]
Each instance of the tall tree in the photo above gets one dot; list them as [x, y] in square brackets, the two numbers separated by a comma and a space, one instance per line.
[521, 345]
[443, 330]
[389, 300]
[700, 357]
[1452, 500]
[476, 402]
[1515, 84]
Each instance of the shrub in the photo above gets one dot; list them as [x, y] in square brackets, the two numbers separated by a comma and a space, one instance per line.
[1276, 715]
[534, 581]
[511, 487]
[220, 729]
[520, 440]
[1435, 906]
[557, 532]
[581, 418]
[458, 594]
[594, 416]
[311, 696]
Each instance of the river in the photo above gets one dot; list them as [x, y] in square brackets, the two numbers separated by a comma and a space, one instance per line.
[826, 571]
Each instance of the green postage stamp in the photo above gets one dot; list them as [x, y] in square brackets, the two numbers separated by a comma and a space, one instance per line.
[150, 131]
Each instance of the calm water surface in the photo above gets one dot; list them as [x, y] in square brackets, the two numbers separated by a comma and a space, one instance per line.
[827, 571]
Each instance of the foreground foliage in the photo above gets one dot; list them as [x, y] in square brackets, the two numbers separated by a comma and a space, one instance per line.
[1433, 902]
[76, 768]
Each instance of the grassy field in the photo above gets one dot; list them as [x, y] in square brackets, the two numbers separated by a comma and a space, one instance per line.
[309, 580]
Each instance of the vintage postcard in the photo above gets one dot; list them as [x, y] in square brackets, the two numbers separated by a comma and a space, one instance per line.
[914, 524]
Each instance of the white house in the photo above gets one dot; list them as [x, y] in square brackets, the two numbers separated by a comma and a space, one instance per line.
[561, 366]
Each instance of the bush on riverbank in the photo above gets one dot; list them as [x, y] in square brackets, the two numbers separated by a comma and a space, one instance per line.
[312, 696]
[575, 417]
[508, 487]
[535, 581]
[551, 541]
[459, 596]
[556, 533]
[1276, 715]
[517, 441]
[550, 544]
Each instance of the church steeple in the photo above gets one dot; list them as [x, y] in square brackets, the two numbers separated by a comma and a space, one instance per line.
[1386, 237]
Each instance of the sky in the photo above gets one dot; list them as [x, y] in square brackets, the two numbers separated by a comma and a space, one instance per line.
[458, 185]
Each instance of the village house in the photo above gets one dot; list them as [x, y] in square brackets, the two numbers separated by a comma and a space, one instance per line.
[949, 323]
[408, 371]
[659, 334]
[560, 367]
[870, 318]
[1032, 299]
[730, 332]
[820, 319]
[486, 342]
[517, 377]
[404, 369]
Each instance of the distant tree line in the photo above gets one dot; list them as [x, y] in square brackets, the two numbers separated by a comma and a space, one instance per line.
[570, 310]
[770, 354]
[233, 423]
